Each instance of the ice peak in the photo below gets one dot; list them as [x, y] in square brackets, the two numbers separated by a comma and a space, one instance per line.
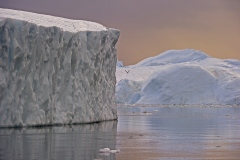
[174, 56]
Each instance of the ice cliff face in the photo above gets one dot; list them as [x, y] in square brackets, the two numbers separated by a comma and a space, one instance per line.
[55, 70]
[180, 77]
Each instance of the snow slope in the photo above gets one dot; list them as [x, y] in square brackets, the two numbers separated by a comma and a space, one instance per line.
[181, 77]
[172, 57]
[55, 70]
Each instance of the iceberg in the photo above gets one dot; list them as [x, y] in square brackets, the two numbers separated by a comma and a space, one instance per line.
[180, 77]
[55, 70]
[173, 57]
[127, 91]
[119, 64]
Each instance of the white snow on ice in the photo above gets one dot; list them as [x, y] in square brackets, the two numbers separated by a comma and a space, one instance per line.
[51, 21]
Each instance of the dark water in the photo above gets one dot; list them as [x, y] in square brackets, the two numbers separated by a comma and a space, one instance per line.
[58, 143]
[140, 133]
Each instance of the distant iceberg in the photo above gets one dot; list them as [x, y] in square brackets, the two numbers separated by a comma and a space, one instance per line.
[180, 77]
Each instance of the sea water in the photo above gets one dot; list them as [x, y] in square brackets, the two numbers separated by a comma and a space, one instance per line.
[141, 132]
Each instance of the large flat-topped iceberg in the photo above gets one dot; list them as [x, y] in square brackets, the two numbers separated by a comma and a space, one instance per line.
[51, 21]
[55, 70]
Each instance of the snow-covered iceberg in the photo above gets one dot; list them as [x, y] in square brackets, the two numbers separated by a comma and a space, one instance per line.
[55, 70]
[173, 57]
[180, 77]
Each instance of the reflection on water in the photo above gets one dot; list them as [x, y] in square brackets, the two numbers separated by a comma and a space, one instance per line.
[78, 142]
[179, 132]
[142, 133]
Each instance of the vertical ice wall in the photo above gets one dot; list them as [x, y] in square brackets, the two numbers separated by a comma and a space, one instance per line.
[55, 70]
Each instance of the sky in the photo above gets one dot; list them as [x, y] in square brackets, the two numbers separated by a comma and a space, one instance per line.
[149, 27]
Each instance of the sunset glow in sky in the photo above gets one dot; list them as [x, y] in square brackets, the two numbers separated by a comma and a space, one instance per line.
[149, 27]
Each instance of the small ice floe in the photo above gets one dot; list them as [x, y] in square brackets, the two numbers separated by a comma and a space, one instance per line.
[104, 150]
[155, 110]
[108, 150]
[115, 151]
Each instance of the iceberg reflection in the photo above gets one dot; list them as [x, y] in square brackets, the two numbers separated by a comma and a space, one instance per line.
[80, 142]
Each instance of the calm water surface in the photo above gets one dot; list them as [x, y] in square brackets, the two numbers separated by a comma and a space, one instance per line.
[154, 133]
